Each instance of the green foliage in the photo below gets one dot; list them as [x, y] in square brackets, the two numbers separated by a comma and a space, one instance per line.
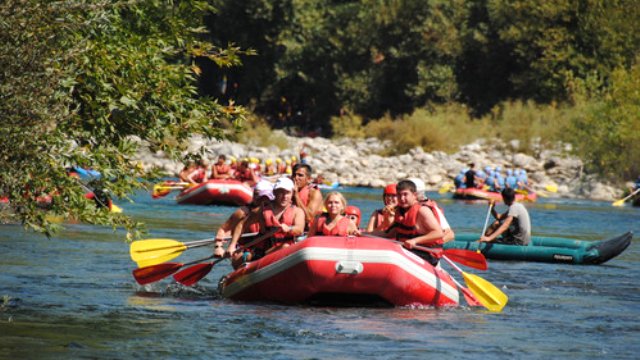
[446, 128]
[607, 133]
[257, 132]
[80, 81]
[348, 125]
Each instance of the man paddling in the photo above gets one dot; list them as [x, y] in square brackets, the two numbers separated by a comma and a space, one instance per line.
[262, 194]
[512, 227]
[414, 224]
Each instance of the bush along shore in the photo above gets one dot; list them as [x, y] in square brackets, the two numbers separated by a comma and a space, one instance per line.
[355, 162]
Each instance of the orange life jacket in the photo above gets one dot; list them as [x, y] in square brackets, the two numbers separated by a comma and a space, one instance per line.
[405, 222]
[340, 229]
[244, 175]
[304, 193]
[200, 174]
[271, 222]
[379, 216]
[222, 169]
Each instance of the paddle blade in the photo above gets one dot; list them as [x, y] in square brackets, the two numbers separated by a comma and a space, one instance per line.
[619, 202]
[551, 188]
[445, 188]
[155, 251]
[193, 274]
[116, 209]
[487, 294]
[468, 258]
[160, 191]
[155, 273]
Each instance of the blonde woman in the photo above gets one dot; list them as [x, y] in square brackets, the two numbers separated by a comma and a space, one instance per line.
[333, 222]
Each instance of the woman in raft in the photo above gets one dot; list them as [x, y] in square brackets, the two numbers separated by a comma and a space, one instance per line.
[333, 222]
[381, 219]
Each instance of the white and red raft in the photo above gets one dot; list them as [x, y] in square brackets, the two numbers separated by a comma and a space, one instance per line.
[217, 192]
[342, 270]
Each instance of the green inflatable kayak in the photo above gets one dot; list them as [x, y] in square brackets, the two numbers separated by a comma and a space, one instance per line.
[548, 249]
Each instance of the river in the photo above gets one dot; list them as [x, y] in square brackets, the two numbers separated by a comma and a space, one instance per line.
[74, 297]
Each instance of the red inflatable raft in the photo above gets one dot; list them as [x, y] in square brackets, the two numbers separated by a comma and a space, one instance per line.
[326, 269]
[217, 192]
[479, 194]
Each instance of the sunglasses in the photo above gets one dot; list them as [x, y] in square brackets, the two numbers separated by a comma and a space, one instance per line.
[299, 175]
[352, 217]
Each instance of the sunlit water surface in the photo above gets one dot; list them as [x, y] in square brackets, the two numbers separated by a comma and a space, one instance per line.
[74, 297]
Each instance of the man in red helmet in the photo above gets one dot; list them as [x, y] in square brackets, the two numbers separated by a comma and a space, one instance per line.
[353, 213]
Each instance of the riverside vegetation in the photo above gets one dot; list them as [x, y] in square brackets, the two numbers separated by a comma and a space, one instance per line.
[80, 79]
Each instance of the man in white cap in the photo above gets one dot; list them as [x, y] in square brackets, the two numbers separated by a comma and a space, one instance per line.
[278, 216]
[262, 194]
[437, 210]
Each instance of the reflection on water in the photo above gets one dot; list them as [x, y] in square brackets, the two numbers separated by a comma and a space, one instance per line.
[74, 297]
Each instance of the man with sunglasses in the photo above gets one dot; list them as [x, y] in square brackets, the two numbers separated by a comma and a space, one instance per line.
[306, 195]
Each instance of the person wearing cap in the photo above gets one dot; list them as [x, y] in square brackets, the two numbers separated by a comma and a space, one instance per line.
[381, 219]
[437, 210]
[414, 224]
[269, 167]
[354, 214]
[512, 227]
[245, 174]
[306, 195]
[333, 222]
[262, 194]
[221, 170]
[279, 216]
[281, 167]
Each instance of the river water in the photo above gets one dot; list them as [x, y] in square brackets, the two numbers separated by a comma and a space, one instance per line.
[74, 297]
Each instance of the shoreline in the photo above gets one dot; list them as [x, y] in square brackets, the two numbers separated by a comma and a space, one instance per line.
[355, 162]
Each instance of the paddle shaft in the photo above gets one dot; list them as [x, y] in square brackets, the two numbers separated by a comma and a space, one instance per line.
[486, 220]
[629, 196]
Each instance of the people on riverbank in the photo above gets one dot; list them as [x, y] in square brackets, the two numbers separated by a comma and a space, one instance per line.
[512, 227]
[334, 222]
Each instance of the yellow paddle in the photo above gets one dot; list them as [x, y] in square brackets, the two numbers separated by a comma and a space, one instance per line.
[621, 201]
[445, 188]
[485, 292]
[155, 251]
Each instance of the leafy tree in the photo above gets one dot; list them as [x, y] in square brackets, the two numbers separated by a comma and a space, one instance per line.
[82, 83]
[608, 134]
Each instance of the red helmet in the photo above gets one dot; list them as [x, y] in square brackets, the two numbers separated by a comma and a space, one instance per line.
[353, 210]
[390, 190]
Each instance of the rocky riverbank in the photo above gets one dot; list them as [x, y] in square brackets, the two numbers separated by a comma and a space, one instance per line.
[355, 162]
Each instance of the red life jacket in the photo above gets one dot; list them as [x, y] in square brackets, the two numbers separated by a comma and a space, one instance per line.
[379, 220]
[340, 229]
[199, 176]
[405, 222]
[222, 169]
[304, 193]
[271, 222]
[244, 175]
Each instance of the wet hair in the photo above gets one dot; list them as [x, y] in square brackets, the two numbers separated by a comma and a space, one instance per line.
[340, 197]
[222, 157]
[508, 195]
[406, 185]
[301, 165]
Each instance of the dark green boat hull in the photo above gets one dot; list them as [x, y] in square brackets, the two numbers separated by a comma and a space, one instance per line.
[548, 249]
